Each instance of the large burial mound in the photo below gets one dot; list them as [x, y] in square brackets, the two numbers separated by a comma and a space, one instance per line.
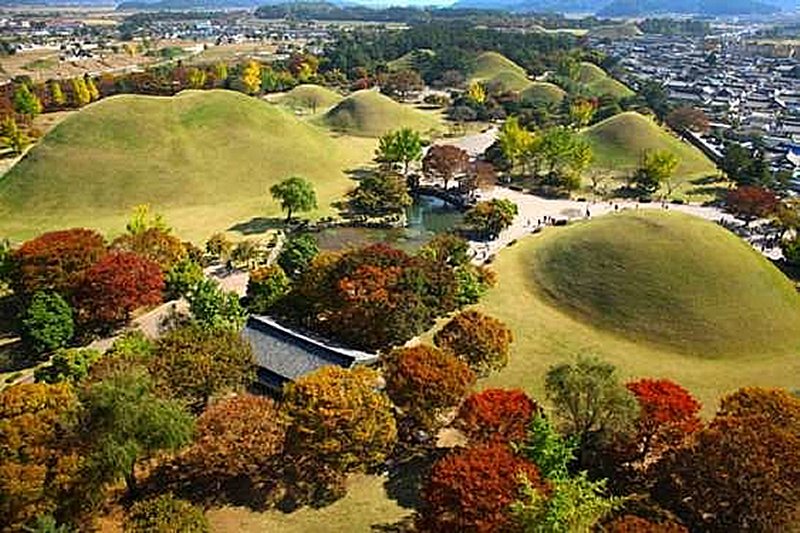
[311, 97]
[544, 92]
[672, 280]
[599, 83]
[492, 68]
[204, 159]
[619, 142]
[370, 114]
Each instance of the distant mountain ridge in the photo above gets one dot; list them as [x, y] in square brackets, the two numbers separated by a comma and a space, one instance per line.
[628, 8]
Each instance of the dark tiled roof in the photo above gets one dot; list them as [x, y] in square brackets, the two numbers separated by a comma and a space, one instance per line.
[283, 355]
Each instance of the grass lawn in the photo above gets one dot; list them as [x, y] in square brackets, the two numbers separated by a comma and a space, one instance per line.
[549, 330]
[365, 505]
[205, 160]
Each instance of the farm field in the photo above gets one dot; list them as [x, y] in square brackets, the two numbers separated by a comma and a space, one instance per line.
[204, 159]
[661, 295]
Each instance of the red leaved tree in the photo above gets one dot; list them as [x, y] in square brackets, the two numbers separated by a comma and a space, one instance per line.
[424, 382]
[496, 415]
[472, 489]
[55, 261]
[444, 162]
[751, 202]
[115, 286]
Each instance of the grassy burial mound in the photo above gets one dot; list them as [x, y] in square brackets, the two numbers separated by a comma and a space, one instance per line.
[598, 82]
[493, 68]
[370, 114]
[672, 280]
[311, 97]
[204, 159]
[619, 142]
[545, 92]
[410, 60]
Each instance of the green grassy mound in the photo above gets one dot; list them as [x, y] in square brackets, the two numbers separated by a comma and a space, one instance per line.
[670, 279]
[204, 159]
[542, 91]
[494, 68]
[619, 142]
[310, 96]
[371, 114]
[409, 60]
[599, 83]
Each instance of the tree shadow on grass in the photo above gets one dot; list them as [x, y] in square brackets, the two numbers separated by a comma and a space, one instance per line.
[360, 173]
[258, 225]
[406, 478]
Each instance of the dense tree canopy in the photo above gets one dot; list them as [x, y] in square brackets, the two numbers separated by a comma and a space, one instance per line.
[500, 415]
[379, 194]
[47, 323]
[488, 219]
[480, 340]
[297, 254]
[445, 162]
[265, 286]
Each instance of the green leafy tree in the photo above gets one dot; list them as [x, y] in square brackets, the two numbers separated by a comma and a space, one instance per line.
[165, 514]
[212, 307]
[127, 422]
[47, 323]
[266, 286]
[656, 169]
[590, 401]
[400, 147]
[297, 255]
[515, 141]
[488, 219]
[26, 102]
[380, 194]
[144, 219]
[182, 278]
[57, 93]
[294, 194]
[219, 246]
[70, 365]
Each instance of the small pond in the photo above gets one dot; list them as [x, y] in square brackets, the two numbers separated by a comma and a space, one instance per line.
[426, 217]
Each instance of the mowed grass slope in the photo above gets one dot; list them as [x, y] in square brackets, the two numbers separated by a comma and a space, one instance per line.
[657, 294]
[204, 159]
[494, 68]
[370, 114]
[542, 91]
[619, 142]
[598, 82]
[310, 96]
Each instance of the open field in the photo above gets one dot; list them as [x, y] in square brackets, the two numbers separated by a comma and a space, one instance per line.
[365, 505]
[204, 159]
[494, 68]
[44, 64]
[370, 114]
[619, 142]
[647, 277]
[234, 53]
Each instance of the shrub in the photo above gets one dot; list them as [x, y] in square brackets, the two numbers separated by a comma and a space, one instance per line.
[165, 514]
[211, 307]
[265, 286]
[496, 415]
[297, 255]
[68, 365]
[219, 246]
[182, 278]
[482, 341]
[47, 323]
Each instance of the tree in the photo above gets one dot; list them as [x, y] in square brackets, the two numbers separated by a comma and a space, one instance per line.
[338, 417]
[500, 415]
[371, 298]
[655, 96]
[55, 261]
[402, 83]
[294, 194]
[424, 383]
[213, 308]
[473, 281]
[38, 463]
[13, 137]
[736, 163]
[655, 169]
[740, 473]
[635, 524]
[47, 323]
[126, 422]
[238, 439]
[182, 278]
[581, 113]
[751, 202]
[444, 162]
[57, 94]
[266, 286]
[91, 88]
[80, 93]
[380, 194]
[194, 364]
[448, 248]
[297, 254]
[115, 286]
[219, 246]
[165, 514]
[400, 147]
[688, 118]
[71, 365]
[26, 102]
[480, 340]
[472, 489]
[250, 77]
[515, 141]
[563, 153]
[488, 219]
[196, 78]
[575, 503]
[143, 220]
[777, 406]
[590, 401]
[154, 244]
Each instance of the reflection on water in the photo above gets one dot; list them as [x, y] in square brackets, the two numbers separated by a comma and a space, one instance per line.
[426, 217]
